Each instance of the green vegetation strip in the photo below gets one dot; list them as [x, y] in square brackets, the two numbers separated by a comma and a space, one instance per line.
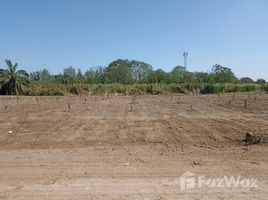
[49, 89]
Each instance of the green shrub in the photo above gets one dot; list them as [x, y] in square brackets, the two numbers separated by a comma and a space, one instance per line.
[207, 89]
[264, 87]
[49, 89]
[75, 90]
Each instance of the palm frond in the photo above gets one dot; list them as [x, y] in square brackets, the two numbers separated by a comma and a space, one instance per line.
[3, 71]
[8, 62]
[22, 73]
[15, 66]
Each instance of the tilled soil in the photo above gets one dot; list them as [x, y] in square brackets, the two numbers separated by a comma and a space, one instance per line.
[97, 147]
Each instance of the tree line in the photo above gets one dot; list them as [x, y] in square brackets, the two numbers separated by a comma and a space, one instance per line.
[121, 71]
[132, 71]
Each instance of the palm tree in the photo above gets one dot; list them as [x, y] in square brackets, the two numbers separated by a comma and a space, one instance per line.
[13, 82]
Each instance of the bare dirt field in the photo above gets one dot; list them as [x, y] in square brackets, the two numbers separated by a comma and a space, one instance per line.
[123, 147]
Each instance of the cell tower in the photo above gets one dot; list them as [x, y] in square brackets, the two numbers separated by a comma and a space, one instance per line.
[185, 55]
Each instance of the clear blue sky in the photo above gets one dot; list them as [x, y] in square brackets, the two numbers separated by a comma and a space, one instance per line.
[55, 34]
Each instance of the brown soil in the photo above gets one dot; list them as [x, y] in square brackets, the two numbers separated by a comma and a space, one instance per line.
[94, 147]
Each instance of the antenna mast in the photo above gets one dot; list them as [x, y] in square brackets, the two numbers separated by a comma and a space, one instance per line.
[185, 55]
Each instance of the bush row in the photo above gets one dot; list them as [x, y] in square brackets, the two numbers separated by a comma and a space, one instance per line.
[50, 89]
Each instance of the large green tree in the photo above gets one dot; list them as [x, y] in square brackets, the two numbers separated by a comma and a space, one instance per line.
[223, 74]
[203, 77]
[177, 74]
[246, 80]
[96, 75]
[13, 82]
[159, 76]
[69, 72]
[40, 75]
[140, 71]
[126, 71]
[69, 75]
[119, 71]
[261, 81]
